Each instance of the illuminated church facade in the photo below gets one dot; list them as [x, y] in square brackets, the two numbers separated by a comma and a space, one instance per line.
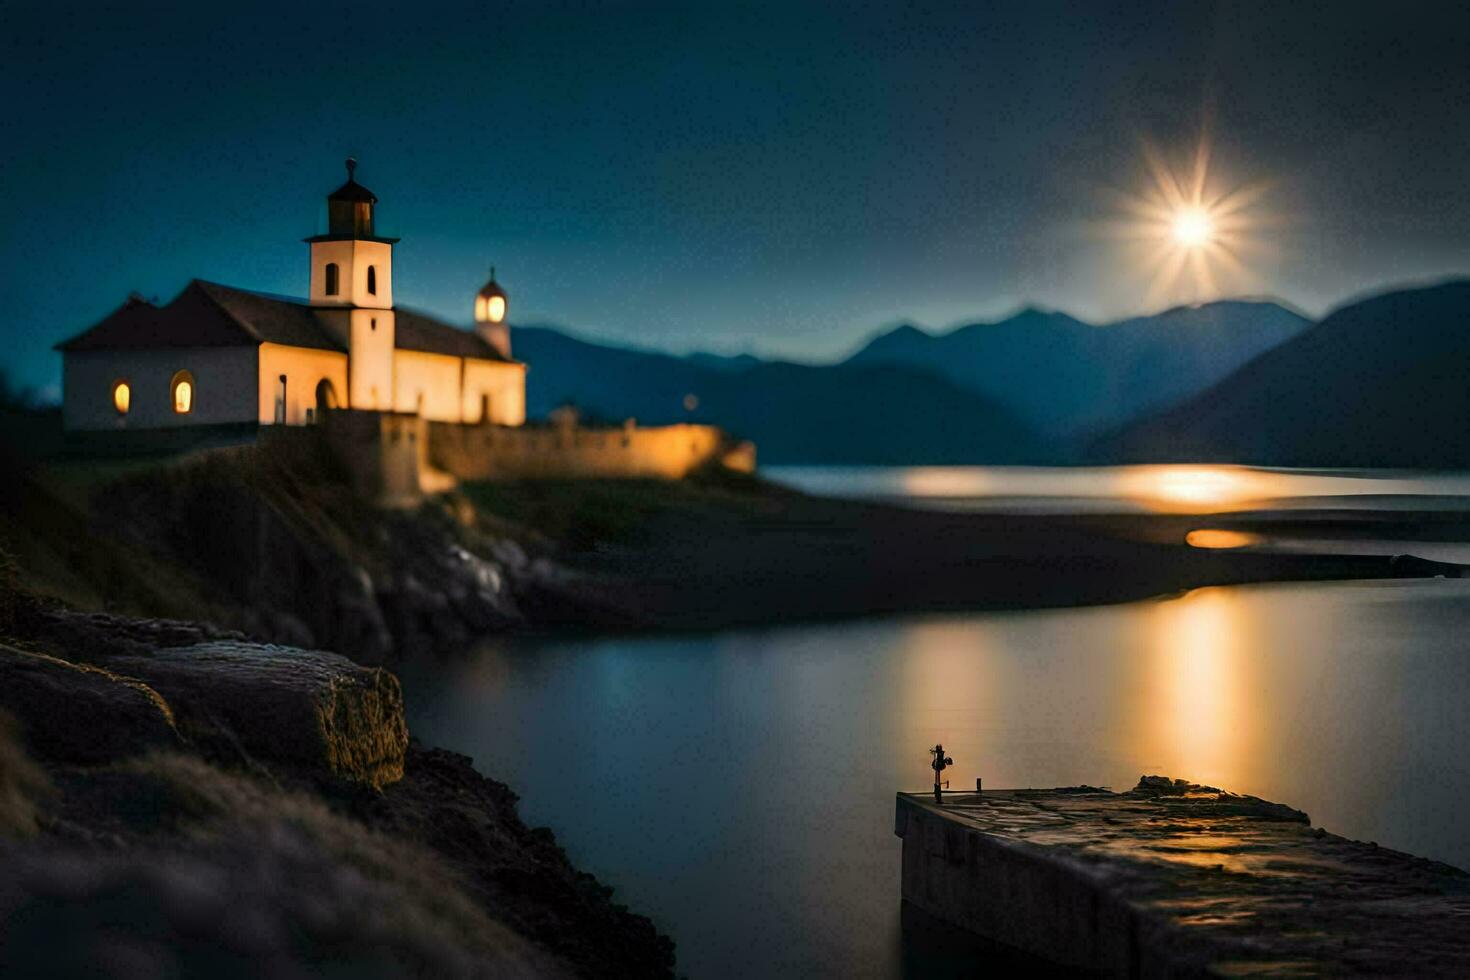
[217, 355]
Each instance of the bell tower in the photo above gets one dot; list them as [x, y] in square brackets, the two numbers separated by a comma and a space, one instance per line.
[490, 310]
[352, 291]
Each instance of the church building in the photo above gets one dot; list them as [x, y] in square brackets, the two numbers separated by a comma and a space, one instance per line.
[217, 355]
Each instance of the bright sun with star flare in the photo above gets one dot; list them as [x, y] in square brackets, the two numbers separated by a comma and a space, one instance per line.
[1190, 235]
[1193, 228]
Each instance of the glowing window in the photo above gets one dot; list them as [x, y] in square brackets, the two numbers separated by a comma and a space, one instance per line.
[331, 284]
[495, 309]
[372, 280]
[122, 397]
[183, 393]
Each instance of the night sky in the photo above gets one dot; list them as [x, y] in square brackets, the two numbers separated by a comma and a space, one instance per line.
[784, 179]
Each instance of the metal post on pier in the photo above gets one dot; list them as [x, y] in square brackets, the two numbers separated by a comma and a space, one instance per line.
[938, 765]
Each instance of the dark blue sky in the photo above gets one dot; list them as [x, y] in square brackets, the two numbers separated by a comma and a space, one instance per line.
[784, 179]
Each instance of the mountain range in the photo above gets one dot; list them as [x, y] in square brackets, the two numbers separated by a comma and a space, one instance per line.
[1069, 378]
[842, 413]
[1378, 382]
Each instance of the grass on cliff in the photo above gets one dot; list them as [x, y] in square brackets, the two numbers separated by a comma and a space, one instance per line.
[170, 535]
[22, 784]
[229, 875]
[590, 514]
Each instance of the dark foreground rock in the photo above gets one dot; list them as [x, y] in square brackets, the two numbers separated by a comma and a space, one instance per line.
[65, 705]
[206, 806]
[301, 708]
[167, 866]
[471, 821]
[1179, 880]
[152, 683]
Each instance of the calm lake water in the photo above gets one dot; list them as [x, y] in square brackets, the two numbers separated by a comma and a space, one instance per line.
[738, 787]
[1132, 489]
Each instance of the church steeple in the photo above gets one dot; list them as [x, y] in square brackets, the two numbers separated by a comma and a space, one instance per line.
[350, 207]
[351, 265]
[352, 291]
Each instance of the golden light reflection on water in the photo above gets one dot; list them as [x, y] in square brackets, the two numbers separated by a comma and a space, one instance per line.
[1165, 488]
[1214, 538]
[1187, 489]
[1086, 696]
[952, 694]
[1198, 720]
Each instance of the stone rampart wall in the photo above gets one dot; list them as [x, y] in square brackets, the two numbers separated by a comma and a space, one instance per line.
[491, 452]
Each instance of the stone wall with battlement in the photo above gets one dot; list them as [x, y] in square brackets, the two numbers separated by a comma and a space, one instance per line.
[569, 450]
[397, 458]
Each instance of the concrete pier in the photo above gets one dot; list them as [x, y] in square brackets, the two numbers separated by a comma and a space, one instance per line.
[1171, 879]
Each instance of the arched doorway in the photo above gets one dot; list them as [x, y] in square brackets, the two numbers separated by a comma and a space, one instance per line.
[326, 397]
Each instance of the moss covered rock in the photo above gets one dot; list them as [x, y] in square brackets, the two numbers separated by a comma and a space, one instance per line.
[282, 705]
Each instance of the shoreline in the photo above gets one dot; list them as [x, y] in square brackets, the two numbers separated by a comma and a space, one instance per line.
[816, 559]
[273, 541]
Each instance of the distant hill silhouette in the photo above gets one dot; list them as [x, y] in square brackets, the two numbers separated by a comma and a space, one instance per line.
[724, 362]
[795, 413]
[1380, 382]
[1069, 378]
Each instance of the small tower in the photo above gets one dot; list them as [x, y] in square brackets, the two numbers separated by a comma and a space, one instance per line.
[352, 291]
[490, 310]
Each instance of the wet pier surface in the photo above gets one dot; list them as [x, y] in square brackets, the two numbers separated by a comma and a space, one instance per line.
[1175, 879]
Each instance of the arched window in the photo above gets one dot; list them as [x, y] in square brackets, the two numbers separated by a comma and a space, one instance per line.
[372, 280]
[122, 397]
[331, 284]
[182, 389]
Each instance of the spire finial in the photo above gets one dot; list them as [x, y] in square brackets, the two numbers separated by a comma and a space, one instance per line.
[351, 166]
[492, 273]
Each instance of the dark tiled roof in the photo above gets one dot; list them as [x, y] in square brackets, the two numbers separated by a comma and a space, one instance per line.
[207, 314]
[271, 319]
[191, 319]
[416, 331]
[353, 191]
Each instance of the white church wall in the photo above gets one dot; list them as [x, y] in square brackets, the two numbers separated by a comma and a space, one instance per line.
[505, 384]
[372, 355]
[223, 387]
[428, 384]
[378, 256]
[304, 369]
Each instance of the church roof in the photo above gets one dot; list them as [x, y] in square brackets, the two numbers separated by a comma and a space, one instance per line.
[207, 314]
[352, 190]
[416, 331]
[270, 319]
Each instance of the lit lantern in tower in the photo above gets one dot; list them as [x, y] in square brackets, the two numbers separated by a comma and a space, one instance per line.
[490, 310]
[490, 304]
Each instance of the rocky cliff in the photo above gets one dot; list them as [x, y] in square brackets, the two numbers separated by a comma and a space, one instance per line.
[177, 800]
[271, 540]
